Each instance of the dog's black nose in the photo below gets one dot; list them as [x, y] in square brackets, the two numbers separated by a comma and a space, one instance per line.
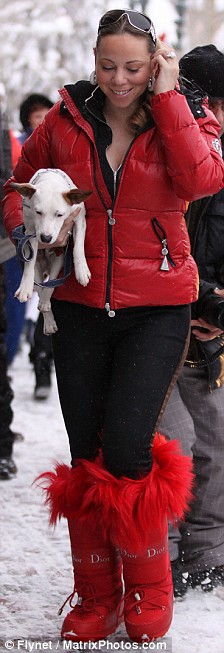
[45, 239]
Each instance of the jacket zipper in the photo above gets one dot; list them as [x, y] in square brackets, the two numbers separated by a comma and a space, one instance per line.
[111, 223]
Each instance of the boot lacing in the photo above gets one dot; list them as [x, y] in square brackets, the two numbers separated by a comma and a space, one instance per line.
[140, 600]
[88, 604]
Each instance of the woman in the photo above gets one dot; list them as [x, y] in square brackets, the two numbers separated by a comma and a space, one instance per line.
[134, 142]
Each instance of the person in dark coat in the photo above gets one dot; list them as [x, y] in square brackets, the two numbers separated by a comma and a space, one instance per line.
[32, 111]
[195, 411]
[8, 467]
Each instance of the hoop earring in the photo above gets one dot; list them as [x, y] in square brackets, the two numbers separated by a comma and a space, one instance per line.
[92, 78]
[151, 83]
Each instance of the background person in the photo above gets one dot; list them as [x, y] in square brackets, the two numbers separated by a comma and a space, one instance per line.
[14, 310]
[8, 467]
[132, 139]
[33, 109]
[195, 411]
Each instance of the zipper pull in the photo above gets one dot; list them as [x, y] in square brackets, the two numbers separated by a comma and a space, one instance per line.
[110, 215]
[164, 265]
[110, 312]
[161, 234]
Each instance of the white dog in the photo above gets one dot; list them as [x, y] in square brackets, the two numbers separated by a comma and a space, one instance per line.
[48, 199]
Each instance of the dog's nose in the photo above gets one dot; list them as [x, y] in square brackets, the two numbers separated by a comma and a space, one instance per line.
[45, 239]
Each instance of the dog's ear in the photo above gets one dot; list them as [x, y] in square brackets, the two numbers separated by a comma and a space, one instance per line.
[76, 196]
[26, 190]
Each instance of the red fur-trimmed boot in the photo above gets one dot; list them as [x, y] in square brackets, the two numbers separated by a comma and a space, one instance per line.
[97, 572]
[97, 562]
[133, 514]
[148, 587]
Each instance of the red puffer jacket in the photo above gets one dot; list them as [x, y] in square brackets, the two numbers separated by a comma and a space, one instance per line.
[174, 162]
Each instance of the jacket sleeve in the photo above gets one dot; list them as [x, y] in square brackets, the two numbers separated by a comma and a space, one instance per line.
[35, 154]
[192, 147]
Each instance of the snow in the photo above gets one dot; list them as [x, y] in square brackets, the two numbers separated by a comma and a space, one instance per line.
[36, 563]
[45, 45]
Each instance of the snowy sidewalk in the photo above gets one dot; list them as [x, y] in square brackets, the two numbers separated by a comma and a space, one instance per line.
[36, 570]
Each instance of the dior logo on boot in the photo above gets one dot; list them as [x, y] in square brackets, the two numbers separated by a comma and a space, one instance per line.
[95, 558]
[77, 560]
[153, 552]
[126, 554]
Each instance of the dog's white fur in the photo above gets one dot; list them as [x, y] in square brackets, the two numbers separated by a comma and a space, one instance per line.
[48, 199]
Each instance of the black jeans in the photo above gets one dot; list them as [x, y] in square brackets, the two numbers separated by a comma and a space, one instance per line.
[113, 375]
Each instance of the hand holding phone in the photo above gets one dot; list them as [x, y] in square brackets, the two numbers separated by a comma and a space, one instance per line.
[165, 70]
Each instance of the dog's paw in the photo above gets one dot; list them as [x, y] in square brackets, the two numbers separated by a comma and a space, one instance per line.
[49, 330]
[44, 307]
[50, 325]
[23, 294]
[82, 273]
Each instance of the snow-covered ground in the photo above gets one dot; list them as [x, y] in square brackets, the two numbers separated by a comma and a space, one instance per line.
[36, 563]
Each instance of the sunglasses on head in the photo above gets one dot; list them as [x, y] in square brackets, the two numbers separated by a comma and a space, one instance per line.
[137, 20]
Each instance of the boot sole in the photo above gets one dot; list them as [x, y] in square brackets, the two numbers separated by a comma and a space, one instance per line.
[89, 636]
[136, 633]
